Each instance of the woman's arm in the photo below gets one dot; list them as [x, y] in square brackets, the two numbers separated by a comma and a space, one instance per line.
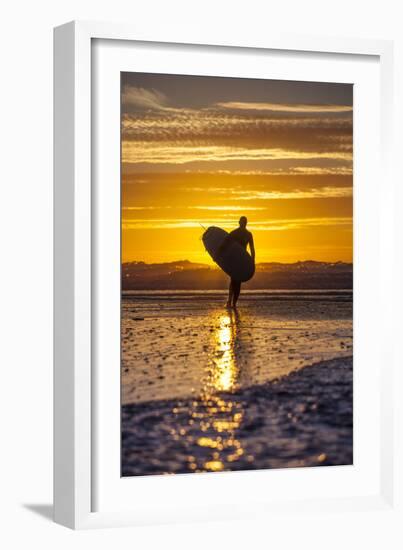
[252, 247]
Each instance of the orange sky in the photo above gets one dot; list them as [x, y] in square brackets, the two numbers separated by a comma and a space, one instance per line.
[206, 150]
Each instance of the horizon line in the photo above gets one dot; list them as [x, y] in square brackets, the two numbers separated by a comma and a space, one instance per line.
[216, 266]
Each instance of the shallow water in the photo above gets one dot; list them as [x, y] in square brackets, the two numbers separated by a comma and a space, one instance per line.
[178, 344]
[209, 389]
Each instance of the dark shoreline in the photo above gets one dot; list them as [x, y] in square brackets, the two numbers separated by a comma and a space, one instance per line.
[343, 295]
[303, 419]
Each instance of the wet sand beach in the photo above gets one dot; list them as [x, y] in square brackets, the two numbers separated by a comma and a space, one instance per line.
[209, 389]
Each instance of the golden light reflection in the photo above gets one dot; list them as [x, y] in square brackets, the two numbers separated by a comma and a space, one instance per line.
[215, 419]
[224, 375]
[214, 465]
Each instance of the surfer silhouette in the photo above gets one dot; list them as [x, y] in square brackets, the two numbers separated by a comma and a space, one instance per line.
[244, 237]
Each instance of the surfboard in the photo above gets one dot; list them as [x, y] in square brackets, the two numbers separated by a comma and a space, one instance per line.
[234, 260]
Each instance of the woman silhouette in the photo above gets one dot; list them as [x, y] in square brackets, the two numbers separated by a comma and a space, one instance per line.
[244, 237]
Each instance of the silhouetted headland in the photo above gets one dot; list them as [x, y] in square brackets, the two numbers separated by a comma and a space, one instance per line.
[186, 275]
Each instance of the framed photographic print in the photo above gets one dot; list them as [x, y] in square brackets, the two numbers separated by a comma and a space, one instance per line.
[220, 276]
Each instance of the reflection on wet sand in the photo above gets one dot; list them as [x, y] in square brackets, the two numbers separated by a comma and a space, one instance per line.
[208, 389]
[223, 374]
[217, 413]
[167, 348]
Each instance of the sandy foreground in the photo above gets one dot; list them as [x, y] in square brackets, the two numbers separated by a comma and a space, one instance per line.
[209, 389]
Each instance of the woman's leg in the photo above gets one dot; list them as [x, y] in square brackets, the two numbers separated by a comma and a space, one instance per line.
[236, 290]
[230, 294]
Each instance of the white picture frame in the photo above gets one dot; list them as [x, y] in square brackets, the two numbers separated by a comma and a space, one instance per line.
[77, 472]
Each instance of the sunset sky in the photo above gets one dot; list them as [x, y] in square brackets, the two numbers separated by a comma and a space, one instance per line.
[206, 150]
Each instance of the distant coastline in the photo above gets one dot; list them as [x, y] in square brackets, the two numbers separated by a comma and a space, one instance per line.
[186, 275]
